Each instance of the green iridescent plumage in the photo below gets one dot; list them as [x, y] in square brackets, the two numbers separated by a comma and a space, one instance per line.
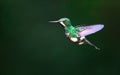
[78, 33]
[72, 31]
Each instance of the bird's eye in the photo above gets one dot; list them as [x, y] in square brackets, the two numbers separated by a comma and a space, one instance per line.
[64, 22]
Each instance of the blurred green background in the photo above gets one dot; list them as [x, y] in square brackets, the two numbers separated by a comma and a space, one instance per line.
[32, 46]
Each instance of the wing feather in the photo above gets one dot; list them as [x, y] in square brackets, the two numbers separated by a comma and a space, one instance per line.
[87, 30]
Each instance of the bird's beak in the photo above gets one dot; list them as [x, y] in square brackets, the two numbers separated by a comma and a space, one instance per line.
[54, 21]
[57, 22]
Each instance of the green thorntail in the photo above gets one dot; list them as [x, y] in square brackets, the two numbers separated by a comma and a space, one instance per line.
[78, 33]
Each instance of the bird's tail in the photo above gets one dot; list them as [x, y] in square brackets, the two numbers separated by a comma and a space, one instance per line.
[88, 42]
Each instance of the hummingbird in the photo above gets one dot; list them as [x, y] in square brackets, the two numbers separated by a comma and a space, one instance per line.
[78, 33]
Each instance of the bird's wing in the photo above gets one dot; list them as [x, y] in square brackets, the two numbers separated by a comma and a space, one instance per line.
[87, 30]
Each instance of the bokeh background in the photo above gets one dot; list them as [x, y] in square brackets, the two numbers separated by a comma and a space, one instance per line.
[29, 45]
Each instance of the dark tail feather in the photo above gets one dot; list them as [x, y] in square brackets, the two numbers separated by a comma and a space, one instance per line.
[88, 42]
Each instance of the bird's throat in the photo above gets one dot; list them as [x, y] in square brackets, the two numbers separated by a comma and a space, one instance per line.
[63, 23]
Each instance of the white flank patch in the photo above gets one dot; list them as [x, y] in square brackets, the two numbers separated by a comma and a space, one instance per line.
[74, 39]
[81, 38]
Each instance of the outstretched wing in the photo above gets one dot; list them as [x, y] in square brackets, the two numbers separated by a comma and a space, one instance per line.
[87, 30]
